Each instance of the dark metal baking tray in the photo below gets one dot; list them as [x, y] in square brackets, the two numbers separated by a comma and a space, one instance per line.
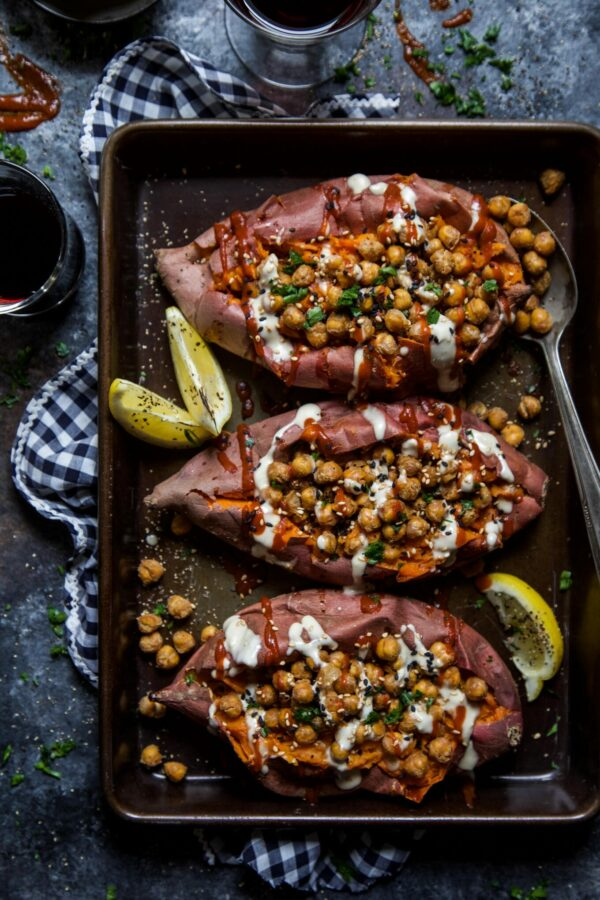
[165, 182]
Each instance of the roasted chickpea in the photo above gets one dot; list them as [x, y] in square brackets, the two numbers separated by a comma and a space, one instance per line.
[551, 181]
[303, 692]
[151, 756]
[317, 335]
[230, 705]
[498, 206]
[337, 324]
[519, 215]
[148, 622]
[416, 528]
[302, 465]
[369, 519]
[394, 534]
[534, 263]
[207, 632]
[387, 648]
[416, 765]
[497, 418]
[328, 471]
[522, 238]
[461, 264]
[477, 311]
[433, 245]
[179, 607]
[467, 517]
[366, 303]
[345, 683]
[364, 329]
[544, 243]
[292, 504]
[266, 695]
[283, 681]
[286, 718]
[529, 407]
[454, 293]
[353, 542]
[442, 652]
[150, 643]
[541, 320]
[150, 571]
[409, 489]
[540, 285]
[483, 498]
[369, 247]
[478, 409]
[410, 465]
[305, 734]
[303, 276]
[374, 673]
[273, 495]
[339, 753]
[513, 434]
[392, 510]
[396, 321]
[385, 343]
[522, 321]
[427, 688]
[152, 709]
[396, 254]
[370, 271]
[328, 675]
[175, 771]
[451, 677]
[441, 749]
[345, 506]
[180, 525]
[402, 299]
[442, 262]
[293, 318]
[167, 657]
[449, 236]
[435, 511]
[271, 719]
[279, 472]
[308, 497]
[327, 542]
[183, 641]
[469, 335]
[475, 688]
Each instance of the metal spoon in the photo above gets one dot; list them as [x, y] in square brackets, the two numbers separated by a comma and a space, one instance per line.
[561, 302]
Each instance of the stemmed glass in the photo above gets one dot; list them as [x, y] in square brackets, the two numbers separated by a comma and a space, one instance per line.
[296, 44]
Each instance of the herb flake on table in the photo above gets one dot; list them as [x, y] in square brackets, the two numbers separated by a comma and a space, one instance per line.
[48, 172]
[12, 152]
[17, 779]
[61, 349]
[57, 750]
[553, 728]
[6, 755]
[566, 580]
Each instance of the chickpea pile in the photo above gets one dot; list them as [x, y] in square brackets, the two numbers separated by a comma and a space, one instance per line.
[152, 642]
[390, 505]
[376, 290]
[535, 251]
[386, 707]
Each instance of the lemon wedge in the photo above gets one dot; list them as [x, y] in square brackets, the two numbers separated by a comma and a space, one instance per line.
[153, 419]
[199, 375]
[535, 642]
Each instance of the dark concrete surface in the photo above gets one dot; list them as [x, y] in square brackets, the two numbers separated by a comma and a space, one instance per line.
[57, 837]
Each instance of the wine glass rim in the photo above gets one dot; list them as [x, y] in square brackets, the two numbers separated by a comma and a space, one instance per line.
[270, 28]
[29, 301]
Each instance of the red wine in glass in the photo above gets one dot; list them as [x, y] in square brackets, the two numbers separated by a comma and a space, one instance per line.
[30, 239]
[304, 15]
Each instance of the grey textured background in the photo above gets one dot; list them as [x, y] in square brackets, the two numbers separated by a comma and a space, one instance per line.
[57, 838]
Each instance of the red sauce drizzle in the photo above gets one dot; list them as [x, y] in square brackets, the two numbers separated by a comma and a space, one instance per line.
[39, 98]
[246, 443]
[314, 434]
[331, 209]
[408, 419]
[220, 657]
[269, 634]
[369, 603]
[245, 579]
[483, 583]
[246, 247]
[439, 5]
[244, 392]
[222, 443]
[222, 235]
[410, 43]
[461, 18]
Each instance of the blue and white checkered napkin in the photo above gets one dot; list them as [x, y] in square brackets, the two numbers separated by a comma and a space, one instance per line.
[54, 456]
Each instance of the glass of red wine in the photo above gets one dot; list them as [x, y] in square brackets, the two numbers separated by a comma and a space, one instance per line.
[296, 43]
[41, 248]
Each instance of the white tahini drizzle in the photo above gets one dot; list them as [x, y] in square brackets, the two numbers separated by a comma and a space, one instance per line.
[242, 644]
[489, 446]
[376, 418]
[359, 355]
[442, 352]
[452, 698]
[261, 474]
[267, 322]
[358, 183]
[318, 639]
[492, 531]
[445, 543]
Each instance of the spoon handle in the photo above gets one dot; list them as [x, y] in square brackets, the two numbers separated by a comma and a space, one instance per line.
[586, 469]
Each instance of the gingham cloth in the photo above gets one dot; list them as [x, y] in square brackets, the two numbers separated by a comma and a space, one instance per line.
[54, 457]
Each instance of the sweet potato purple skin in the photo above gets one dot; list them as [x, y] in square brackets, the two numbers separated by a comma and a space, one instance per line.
[341, 617]
[189, 274]
[195, 488]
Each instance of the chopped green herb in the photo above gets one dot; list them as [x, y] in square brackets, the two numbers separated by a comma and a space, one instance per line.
[449, 49]
[434, 288]
[503, 65]
[440, 68]
[553, 728]
[344, 868]
[160, 609]
[313, 316]
[24, 677]
[466, 504]
[506, 83]
[264, 731]
[56, 616]
[433, 316]
[490, 285]
[481, 600]
[42, 766]
[13, 152]
[375, 598]
[190, 677]
[371, 22]
[419, 97]
[475, 53]
[374, 552]
[566, 580]
[58, 650]
[429, 702]
[491, 35]
[306, 713]
[60, 569]
[111, 892]
[554, 765]
[61, 349]
[289, 292]
[343, 73]
[387, 62]
[394, 716]
[444, 93]
[473, 107]
[9, 400]
[369, 82]
[420, 53]
[6, 755]
[537, 892]
[294, 260]
[48, 173]
[17, 779]
[373, 717]
[276, 485]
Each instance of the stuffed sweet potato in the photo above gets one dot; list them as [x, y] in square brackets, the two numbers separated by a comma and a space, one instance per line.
[388, 491]
[353, 285]
[322, 692]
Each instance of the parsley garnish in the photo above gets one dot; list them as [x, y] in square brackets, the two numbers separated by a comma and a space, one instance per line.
[506, 83]
[371, 21]
[111, 892]
[56, 617]
[475, 53]
[374, 552]
[566, 580]
[289, 292]
[419, 97]
[343, 73]
[434, 288]
[61, 349]
[13, 152]
[306, 713]
[420, 53]
[444, 93]
[503, 65]
[349, 298]
[160, 610]
[394, 716]
[294, 260]
[449, 49]
[491, 35]
[17, 779]
[190, 677]
[6, 754]
[48, 754]
[480, 601]
[264, 731]
[313, 316]
[537, 892]
[369, 82]
[490, 285]
[466, 504]
[553, 728]
[373, 717]
[345, 869]
[48, 172]
[58, 650]
[433, 316]
[473, 107]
